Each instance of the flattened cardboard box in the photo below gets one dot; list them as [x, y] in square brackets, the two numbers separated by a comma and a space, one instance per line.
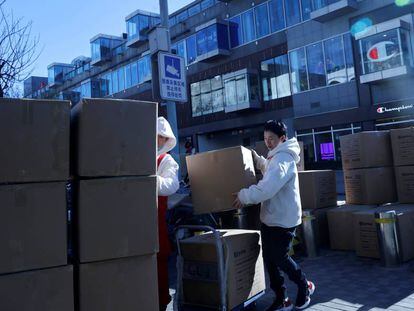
[35, 139]
[317, 189]
[366, 236]
[116, 217]
[127, 284]
[113, 137]
[42, 290]
[366, 149]
[245, 277]
[403, 146]
[370, 186]
[404, 175]
[262, 150]
[341, 226]
[33, 226]
[216, 175]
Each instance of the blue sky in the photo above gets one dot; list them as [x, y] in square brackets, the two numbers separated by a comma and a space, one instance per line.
[65, 27]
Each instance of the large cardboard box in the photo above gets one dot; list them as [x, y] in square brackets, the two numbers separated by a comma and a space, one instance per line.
[34, 135]
[42, 290]
[404, 175]
[370, 186]
[403, 146]
[366, 236]
[216, 175]
[262, 150]
[33, 226]
[116, 217]
[113, 137]
[245, 270]
[317, 189]
[341, 226]
[366, 149]
[128, 284]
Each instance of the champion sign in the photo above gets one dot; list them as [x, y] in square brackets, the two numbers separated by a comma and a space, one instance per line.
[382, 51]
[399, 109]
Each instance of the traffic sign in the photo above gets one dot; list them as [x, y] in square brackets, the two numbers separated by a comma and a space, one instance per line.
[172, 76]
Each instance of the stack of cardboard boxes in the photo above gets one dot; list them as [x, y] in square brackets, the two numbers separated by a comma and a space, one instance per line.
[370, 186]
[115, 212]
[34, 168]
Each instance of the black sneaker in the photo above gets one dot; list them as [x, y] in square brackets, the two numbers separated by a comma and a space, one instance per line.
[286, 305]
[303, 299]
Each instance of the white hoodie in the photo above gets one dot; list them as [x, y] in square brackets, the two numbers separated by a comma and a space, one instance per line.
[278, 191]
[167, 172]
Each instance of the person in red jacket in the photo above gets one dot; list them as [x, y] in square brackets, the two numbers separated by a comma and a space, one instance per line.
[168, 184]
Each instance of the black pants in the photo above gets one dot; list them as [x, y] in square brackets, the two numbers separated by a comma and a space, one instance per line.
[276, 243]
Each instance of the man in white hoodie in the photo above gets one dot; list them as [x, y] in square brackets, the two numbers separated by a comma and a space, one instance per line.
[281, 213]
[168, 184]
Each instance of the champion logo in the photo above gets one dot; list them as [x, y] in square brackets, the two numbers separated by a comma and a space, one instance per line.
[399, 108]
[382, 51]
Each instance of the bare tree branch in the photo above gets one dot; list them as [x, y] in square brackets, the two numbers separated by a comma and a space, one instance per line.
[18, 50]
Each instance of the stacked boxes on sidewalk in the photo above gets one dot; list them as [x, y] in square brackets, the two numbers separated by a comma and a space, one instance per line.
[370, 186]
[34, 169]
[115, 205]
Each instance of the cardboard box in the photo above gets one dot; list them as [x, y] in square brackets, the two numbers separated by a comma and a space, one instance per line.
[404, 175]
[116, 217]
[366, 238]
[45, 290]
[33, 226]
[317, 189]
[402, 141]
[366, 149]
[370, 186]
[262, 150]
[245, 274]
[128, 284]
[34, 135]
[341, 226]
[216, 175]
[114, 137]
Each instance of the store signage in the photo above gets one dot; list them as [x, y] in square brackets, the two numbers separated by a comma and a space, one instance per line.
[172, 73]
[399, 108]
[382, 51]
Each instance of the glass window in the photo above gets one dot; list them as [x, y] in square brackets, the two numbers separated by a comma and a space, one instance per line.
[194, 10]
[134, 73]
[299, 76]
[337, 143]
[230, 92]
[191, 49]
[128, 83]
[121, 78]
[292, 10]
[335, 61]
[316, 66]
[325, 149]
[381, 51]
[277, 15]
[306, 9]
[222, 33]
[253, 87]
[95, 50]
[236, 34]
[144, 23]
[406, 47]
[86, 89]
[216, 83]
[308, 148]
[242, 89]
[207, 40]
[103, 86]
[171, 21]
[109, 79]
[206, 4]
[195, 88]
[196, 105]
[180, 47]
[268, 74]
[262, 20]
[218, 100]
[182, 16]
[248, 26]
[205, 86]
[349, 57]
[144, 69]
[282, 76]
[206, 103]
[115, 88]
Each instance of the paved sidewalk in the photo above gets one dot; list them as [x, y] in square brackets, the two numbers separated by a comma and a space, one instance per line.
[345, 283]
